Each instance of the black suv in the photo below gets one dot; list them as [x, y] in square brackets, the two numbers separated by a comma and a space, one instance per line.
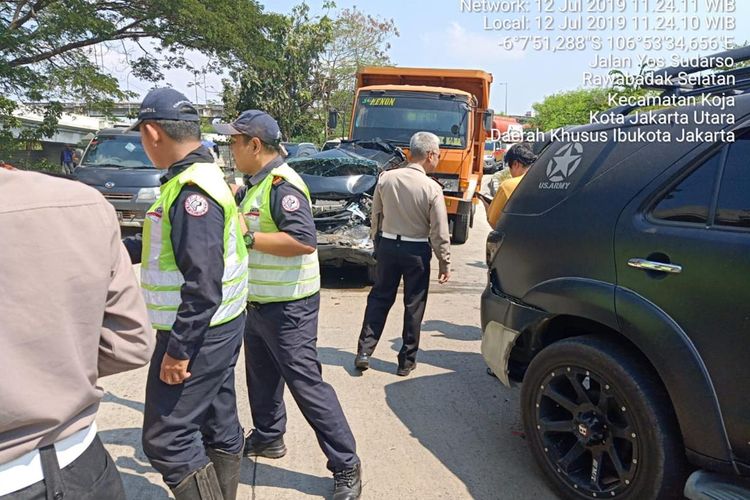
[619, 296]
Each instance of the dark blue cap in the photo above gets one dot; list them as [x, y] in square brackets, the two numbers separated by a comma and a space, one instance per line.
[166, 104]
[253, 123]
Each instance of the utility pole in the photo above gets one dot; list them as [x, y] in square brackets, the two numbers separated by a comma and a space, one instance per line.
[205, 91]
[505, 110]
[195, 84]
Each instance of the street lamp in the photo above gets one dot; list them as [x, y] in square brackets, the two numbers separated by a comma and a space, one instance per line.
[127, 87]
[506, 96]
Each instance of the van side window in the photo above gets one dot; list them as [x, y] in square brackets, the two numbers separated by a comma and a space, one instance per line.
[733, 208]
[690, 199]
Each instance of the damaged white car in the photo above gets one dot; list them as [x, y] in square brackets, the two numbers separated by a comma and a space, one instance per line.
[341, 183]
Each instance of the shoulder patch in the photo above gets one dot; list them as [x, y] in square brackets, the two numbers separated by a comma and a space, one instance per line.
[277, 180]
[196, 205]
[290, 203]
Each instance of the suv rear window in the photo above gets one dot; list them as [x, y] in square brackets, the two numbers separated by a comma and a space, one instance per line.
[734, 195]
[122, 151]
[689, 200]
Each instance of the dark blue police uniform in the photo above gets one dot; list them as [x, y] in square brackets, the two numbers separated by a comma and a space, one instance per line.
[181, 422]
[280, 347]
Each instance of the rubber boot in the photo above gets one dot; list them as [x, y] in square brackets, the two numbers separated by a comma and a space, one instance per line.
[200, 485]
[227, 471]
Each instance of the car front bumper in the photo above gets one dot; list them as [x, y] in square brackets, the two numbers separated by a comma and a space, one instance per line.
[131, 214]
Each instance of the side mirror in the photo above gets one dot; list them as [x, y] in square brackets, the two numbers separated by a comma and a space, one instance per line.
[488, 116]
[333, 119]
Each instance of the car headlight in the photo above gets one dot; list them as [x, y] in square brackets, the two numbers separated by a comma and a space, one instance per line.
[450, 184]
[148, 194]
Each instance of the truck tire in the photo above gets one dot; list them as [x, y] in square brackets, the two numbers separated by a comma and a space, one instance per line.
[600, 424]
[460, 228]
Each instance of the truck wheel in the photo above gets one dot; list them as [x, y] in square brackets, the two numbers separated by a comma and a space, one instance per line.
[460, 229]
[600, 424]
[471, 218]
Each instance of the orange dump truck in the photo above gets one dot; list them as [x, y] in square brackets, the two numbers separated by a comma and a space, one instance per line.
[393, 103]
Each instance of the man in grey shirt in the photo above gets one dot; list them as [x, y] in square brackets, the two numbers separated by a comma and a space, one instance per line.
[72, 311]
[409, 215]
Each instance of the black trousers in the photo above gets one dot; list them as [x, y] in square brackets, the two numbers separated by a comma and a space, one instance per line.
[91, 476]
[280, 348]
[397, 259]
[180, 421]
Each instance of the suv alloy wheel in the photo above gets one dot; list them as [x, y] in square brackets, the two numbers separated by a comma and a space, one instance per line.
[599, 425]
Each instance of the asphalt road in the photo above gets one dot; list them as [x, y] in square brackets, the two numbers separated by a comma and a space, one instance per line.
[447, 431]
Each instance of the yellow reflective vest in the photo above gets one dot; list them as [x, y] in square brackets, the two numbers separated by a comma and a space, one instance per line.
[272, 278]
[162, 280]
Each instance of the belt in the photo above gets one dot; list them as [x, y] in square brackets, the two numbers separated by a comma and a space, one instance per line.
[398, 237]
[27, 469]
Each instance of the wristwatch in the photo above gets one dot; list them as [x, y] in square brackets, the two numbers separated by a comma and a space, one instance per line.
[250, 239]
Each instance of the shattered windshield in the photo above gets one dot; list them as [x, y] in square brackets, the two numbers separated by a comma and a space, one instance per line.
[395, 118]
[334, 163]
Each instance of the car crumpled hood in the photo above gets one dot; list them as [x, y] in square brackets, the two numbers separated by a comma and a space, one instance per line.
[337, 174]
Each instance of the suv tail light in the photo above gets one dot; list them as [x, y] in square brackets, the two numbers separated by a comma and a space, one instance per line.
[494, 240]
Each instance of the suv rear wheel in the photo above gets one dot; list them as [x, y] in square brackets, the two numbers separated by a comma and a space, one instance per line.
[599, 423]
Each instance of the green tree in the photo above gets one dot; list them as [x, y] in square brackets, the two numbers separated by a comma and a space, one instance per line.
[281, 77]
[359, 40]
[569, 108]
[47, 48]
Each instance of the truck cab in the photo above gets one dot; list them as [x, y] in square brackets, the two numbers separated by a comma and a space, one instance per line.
[391, 104]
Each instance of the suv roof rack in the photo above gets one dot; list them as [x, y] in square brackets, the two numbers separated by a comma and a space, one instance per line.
[740, 76]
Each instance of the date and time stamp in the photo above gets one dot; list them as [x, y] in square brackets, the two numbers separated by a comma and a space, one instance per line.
[625, 39]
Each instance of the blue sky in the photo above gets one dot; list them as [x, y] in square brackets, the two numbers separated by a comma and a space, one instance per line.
[438, 34]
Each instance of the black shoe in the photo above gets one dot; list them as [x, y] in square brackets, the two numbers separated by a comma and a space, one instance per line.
[362, 361]
[270, 449]
[347, 483]
[403, 371]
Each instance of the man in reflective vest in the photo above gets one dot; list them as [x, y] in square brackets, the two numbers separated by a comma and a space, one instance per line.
[194, 278]
[283, 285]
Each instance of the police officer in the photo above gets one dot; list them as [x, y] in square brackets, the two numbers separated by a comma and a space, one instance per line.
[282, 324]
[194, 277]
[408, 212]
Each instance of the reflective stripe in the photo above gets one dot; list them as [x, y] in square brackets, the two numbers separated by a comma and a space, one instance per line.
[151, 260]
[162, 298]
[256, 258]
[269, 275]
[162, 320]
[234, 271]
[230, 310]
[156, 277]
[283, 292]
[165, 298]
